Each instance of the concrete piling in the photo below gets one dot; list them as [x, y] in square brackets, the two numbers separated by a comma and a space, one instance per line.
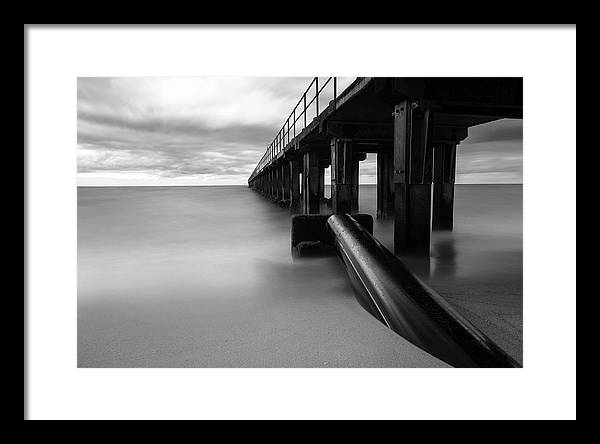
[310, 183]
[341, 175]
[385, 183]
[412, 178]
[444, 172]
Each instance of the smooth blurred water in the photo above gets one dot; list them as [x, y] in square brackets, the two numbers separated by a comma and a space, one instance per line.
[203, 276]
[478, 267]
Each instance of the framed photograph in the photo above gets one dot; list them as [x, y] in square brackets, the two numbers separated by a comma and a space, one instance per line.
[299, 240]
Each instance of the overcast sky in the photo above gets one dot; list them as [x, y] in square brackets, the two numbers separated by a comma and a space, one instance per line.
[213, 131]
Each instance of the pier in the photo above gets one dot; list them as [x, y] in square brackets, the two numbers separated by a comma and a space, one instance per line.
[414, 126]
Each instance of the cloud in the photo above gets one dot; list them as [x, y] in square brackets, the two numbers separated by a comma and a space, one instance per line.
[172, 130]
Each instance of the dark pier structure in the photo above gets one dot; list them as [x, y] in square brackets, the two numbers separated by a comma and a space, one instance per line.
[414, 126]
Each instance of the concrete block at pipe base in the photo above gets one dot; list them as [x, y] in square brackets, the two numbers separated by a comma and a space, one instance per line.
[313, 249]
[311, 231]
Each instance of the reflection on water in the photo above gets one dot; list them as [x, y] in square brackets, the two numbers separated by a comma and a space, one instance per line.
[487, 235]
[443, 255]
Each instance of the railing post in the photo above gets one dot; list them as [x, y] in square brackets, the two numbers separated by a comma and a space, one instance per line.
[304, 98]
[335, 92]
[286, 134]
[317, 95]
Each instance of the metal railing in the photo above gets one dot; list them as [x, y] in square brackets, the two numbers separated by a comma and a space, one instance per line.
[297, 120]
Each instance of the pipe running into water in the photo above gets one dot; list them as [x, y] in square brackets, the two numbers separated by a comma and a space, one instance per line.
[395, 296]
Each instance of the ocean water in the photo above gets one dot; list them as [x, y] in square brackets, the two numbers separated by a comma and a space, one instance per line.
[478, 267]
[203, 277]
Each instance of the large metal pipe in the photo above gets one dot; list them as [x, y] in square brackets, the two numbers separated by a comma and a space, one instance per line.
[393, 294]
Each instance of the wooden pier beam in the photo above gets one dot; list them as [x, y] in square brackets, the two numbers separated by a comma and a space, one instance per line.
[444, 173]
[342, 176]
[285, 180]
[412, 178]
[321, 182]
[266, 183]
[294, 183]
[279, 182]
[276, 183]
[310, 183]
[385, 183]
[271, 183]
[357, 157]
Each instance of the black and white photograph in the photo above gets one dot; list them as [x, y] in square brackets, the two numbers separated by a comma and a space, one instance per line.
[401, 199]
[292, 222]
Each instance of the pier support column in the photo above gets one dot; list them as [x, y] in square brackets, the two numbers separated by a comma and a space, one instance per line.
[385, 183]
[276, 188]
[267, 183]
[310, 183]
[356, 159]
[412, 178]
[321, 183]
[279, 182]
[285, 180]
[294, 184]
[444, 172]
[341, 176]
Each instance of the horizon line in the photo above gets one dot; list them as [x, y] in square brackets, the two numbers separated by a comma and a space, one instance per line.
[243, 185]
